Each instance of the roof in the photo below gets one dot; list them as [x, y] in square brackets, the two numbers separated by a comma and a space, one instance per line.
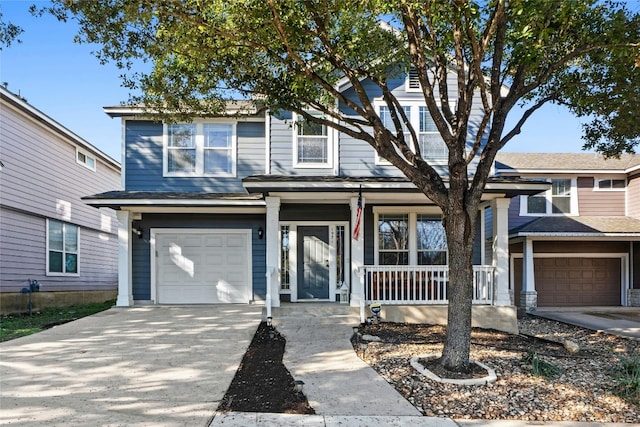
[117, 199]
[569, 162]
[580, 226]
[233, 108]
[21, 104]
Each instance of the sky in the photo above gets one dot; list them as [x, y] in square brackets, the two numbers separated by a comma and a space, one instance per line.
[65, 81]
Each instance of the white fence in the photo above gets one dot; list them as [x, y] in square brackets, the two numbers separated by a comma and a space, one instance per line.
[421, 284]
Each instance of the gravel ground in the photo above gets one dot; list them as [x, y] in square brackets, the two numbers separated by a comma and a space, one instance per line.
[583, 391]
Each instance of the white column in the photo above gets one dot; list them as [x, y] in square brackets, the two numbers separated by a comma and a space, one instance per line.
[273, 251]
[500, 208]
[357, 256]
[528, 295]
[125, 289]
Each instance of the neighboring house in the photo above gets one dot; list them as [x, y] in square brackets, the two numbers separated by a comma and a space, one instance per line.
[46, 232]
[578, 243]
[263, 208]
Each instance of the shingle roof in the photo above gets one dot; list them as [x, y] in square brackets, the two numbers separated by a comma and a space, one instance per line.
[563, 225]
[566, 161]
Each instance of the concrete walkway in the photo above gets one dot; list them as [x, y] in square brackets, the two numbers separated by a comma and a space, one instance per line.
[336, 380]
[142, 366]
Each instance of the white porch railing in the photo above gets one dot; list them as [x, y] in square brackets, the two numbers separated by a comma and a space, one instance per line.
[421, 284]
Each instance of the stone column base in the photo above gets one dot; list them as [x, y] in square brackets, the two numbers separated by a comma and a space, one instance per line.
[633, 297]
[529, 300]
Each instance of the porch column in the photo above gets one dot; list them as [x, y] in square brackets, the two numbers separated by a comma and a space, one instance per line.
[125, 289]
[528, 295]
[273, 251]
[500, 208]
[357, 256]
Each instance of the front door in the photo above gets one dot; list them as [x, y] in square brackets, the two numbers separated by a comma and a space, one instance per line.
[314, 262]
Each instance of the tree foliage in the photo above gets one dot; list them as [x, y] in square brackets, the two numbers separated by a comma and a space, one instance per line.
[8, 33]
[474, 60]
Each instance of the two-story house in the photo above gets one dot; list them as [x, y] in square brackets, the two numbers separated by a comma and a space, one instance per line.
[47, 234]
[578, 243]
[268, 207]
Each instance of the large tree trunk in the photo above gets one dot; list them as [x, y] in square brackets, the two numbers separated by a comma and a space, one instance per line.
[459, 227]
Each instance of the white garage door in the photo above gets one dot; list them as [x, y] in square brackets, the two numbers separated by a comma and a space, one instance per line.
[203, 266]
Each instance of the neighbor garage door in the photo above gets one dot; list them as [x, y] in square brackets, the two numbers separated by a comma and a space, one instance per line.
[203, 266]
[562, 282]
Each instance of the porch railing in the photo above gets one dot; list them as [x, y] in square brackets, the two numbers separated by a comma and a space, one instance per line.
[421, 284]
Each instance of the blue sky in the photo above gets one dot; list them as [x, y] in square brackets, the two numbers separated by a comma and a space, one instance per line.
[65, 81]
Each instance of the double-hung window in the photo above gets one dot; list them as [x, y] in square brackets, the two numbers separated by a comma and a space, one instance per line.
[431, 144]
[311, 144]
[411, 238]
[200, 149]
[560, 199]
[63, 243]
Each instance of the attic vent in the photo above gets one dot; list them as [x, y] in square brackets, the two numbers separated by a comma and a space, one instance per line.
[413, 84]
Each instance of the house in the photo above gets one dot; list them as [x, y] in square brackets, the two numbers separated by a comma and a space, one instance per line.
[578, 243]
[47, 234]
[268, 208]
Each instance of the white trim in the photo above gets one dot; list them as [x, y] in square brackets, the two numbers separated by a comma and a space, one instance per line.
[125, 288]
[170, 202]
[307, 165]
[293, 256]
[187, 209]
[201, 149]
[63, 273]
[502, 171]
[153, 255]
[624, 262]
[123, 153]
[267, 143]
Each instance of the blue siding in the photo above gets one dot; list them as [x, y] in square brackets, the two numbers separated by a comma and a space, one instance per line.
[141, 260]
[143, 145]
[515, 220]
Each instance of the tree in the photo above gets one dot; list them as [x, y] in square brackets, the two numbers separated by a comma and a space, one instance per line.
[8, 33]
[290, 55]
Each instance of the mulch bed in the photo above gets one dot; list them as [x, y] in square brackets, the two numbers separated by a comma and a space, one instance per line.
[262, 382]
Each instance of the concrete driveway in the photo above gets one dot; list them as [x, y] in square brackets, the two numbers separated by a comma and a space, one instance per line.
[141, 366]
[622, 321]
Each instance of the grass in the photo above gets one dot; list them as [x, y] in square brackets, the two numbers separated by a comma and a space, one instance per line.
[540, 367]
[627, 376]
[19, 325]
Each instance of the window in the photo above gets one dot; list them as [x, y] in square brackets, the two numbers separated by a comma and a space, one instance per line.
[559, 200]
[609, 184]
[311, 144]
[393, 239]
[432, 146]
[412, 238]
[86, 160]
[205, 149]
[432, 240]
[62, 248]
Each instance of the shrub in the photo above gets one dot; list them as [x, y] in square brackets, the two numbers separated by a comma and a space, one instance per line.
[627, 377]
[540, 367]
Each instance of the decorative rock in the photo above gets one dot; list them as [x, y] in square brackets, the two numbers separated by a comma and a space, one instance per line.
[371, 338]
[571, 346]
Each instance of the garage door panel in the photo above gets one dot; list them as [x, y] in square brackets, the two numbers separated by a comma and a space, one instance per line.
[578, 281]
[207, 267]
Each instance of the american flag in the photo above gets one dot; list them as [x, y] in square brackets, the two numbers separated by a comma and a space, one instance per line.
[356, 228]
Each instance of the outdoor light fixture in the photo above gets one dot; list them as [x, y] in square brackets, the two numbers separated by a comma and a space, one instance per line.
[137, 229]
[260, 233]
[298, 384]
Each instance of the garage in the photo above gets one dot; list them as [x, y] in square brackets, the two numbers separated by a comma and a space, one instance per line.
[202, 266]
[567, 282]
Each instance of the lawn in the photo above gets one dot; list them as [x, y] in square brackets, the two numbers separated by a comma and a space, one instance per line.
[18, 325]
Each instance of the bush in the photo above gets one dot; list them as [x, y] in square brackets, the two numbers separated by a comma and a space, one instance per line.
[627, 376]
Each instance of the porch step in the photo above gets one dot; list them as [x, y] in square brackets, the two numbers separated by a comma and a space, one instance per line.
[335, 313]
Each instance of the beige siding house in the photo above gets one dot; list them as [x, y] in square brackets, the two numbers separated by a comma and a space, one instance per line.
[577, 244]
[46, 232]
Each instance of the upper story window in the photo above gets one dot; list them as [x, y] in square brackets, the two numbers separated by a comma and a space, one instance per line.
[432, 146]
[609, 184]
[86, 160]
[410, 239]
[311, 144]
[63, 244]
[200, 149]
[560, 199]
